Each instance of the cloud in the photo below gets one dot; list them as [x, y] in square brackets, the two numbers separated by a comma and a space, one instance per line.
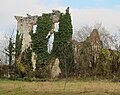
[109, 18]
[2, 36]
[18, 7]
[8, 9]
[2, 40]
[80, 17]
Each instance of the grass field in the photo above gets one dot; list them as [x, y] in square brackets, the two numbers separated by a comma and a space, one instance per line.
[74, 87]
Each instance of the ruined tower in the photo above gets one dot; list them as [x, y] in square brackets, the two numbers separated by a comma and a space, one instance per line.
[96, 44]
[24, 27]
[86, 53]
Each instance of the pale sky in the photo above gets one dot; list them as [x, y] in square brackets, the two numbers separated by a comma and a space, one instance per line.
[83, 12]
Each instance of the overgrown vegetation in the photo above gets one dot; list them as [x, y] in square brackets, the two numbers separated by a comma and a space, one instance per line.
[105, 65]
[109, 64]
[23, 65]
[39, 45]
[63, 44]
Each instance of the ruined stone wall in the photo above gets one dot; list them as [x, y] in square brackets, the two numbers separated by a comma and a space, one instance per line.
[96, 44]
[24, 27]
[77, 48]
[86, 53]
[95, 41]
[46, 24]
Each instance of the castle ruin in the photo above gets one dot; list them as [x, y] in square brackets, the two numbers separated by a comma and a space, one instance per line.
[25, 26]
[86, 53]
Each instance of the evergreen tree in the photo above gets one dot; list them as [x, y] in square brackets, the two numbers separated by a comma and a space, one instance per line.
[23, 64]
[18, 44]
[11, 50]
[18, 48]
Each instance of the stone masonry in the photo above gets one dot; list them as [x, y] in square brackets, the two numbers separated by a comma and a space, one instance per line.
[25, 26]
[91, 48]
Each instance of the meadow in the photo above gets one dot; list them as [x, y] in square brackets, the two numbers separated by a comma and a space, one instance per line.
[74, 87]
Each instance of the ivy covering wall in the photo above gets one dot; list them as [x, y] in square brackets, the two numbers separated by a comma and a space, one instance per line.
[62, 47]
[39, 45]
[107, 64]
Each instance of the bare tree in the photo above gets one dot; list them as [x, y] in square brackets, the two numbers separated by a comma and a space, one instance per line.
[117, 41]
[82, 34]
[8, 47]
[107, 39]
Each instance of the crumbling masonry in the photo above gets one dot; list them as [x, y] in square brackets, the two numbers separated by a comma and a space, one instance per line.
[25, 26]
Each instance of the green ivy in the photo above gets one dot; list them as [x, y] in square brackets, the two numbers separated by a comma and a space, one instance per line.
[62, 47]
[39, 44]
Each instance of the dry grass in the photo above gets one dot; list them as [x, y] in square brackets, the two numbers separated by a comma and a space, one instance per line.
[8, 87]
